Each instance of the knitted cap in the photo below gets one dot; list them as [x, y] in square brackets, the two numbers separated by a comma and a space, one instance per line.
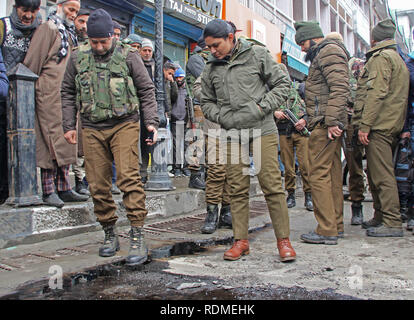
[100, 24]
[306, 30]
[117, 25]
[385, 29]
[84, 12]
[147, 43]
[179, 73]
[133, 38]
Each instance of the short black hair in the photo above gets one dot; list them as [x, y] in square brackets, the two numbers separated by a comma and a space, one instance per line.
[219, 28]
[170, 65]
[31, 4]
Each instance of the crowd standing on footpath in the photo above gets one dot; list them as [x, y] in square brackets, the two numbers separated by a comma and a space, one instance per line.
[96, 111]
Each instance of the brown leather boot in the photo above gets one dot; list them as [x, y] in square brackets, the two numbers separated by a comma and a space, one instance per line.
[286, 251]
[239, 248]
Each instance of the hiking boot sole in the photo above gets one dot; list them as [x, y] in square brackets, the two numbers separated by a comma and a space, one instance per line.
[328, 242]
[136, 263]
[203, 231]
[399, 234]
[236, 258]
[285, 259]
[108, 254]
[367, 226]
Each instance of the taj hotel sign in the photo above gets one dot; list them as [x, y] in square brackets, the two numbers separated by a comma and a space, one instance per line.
[202, 11]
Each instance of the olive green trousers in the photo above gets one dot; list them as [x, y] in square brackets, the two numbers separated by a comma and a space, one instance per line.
[326, 181]
[265, 157]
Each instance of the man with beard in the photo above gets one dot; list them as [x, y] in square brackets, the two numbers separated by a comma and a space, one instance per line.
[80, 25]
[16, 32]
[106, 82]
[78, 168]
[379, 114]
[326, 97]
[47, 57]
[146, 53]
[117, 30]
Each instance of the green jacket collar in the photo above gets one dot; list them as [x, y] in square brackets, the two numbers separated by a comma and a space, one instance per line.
[391, 44]
[242, 45]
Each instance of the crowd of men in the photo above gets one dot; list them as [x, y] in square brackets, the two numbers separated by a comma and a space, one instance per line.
[96, 112]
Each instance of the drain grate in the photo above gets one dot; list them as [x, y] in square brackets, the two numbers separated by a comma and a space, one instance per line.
[71, 251]
[185, 224]
[192, 224]
[4, 267]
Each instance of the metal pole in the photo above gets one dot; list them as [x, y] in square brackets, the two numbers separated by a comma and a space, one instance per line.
[22, 138]
[158, 178]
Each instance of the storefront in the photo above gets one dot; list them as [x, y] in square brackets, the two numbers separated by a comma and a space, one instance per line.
[184, 22]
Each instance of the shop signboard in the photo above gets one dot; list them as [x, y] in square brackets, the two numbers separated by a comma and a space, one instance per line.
[293, 51]
[198, 11]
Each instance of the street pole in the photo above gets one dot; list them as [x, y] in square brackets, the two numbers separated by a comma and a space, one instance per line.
[158, 178]
[22, 138]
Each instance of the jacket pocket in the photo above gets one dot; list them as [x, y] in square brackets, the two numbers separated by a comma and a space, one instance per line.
[119, 96]
[249, 115]
[84, 93]
[227, 118]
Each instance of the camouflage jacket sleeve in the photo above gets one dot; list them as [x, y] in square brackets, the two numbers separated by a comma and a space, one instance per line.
[197, 89]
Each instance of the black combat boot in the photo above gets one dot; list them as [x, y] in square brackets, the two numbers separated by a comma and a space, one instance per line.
[308, 201]
[197, 180]
[357, 216]
[111, 242]
[211, 222]
[225, 217]
[138, 251]
[291, 201]
[81, 187]
[374, 222]
[72, 196]
[410, 218]
[404, 212]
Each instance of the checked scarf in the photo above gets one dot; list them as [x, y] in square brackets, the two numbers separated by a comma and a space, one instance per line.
[65, 31]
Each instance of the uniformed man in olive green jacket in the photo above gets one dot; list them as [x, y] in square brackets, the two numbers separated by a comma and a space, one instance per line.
[326, 97]
[379, 114]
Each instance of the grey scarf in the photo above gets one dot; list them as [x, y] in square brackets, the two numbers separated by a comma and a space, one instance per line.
[20, 29]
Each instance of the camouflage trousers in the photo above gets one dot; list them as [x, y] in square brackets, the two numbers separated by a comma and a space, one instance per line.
[195, 153]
